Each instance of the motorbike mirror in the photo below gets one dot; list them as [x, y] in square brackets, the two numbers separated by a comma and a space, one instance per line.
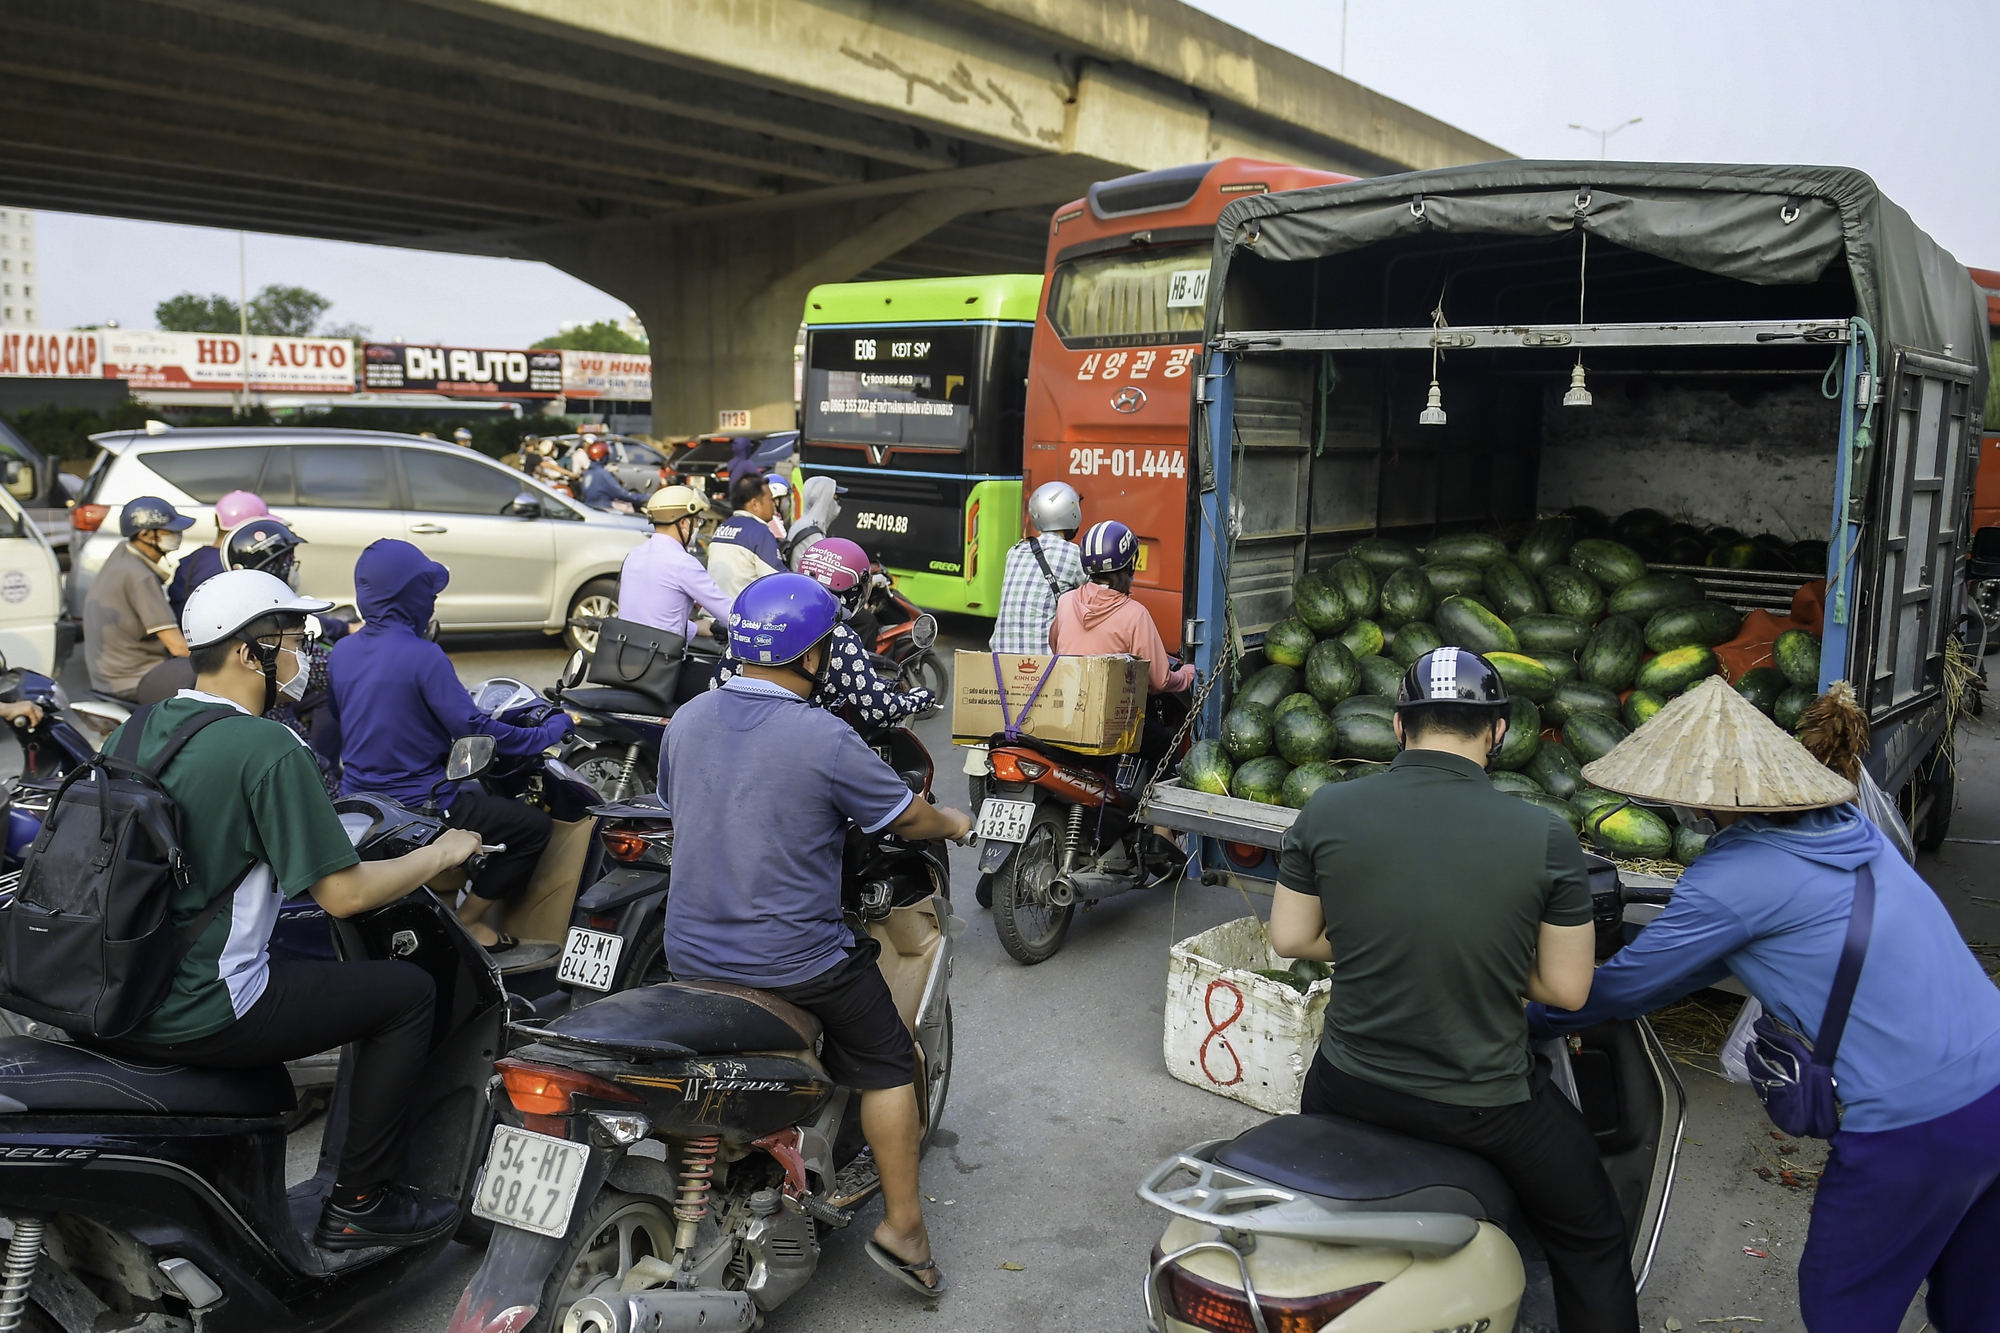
[470, 756]
[923, 631]
[573, 670]
[525, 505]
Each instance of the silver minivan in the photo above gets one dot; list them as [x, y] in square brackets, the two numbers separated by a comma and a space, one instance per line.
[521, 556]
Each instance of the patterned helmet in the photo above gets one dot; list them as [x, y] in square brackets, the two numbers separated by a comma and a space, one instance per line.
[147, 513]
[1109, 546]
[839, 564]
[778, 618]
[1452, 676]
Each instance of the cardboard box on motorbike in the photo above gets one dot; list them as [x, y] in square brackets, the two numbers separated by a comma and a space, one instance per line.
[1093, 705]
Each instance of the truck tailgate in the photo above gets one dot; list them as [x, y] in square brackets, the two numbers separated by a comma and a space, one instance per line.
[1226, 817]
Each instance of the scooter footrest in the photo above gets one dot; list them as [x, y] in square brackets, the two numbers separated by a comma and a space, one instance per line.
[820, 1210]
[855, 1183]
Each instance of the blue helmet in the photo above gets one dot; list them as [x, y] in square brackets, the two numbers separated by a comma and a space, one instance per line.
[149, 512]
[1109, 546]
[778, 617]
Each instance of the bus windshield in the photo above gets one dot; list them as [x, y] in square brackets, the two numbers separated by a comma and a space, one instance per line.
[892, 385]
[1130, 297]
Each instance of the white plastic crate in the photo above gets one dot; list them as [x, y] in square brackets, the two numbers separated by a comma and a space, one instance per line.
[1236, 1033]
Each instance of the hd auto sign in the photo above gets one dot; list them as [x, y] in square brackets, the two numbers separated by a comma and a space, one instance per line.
[152, 359]
[461, 371]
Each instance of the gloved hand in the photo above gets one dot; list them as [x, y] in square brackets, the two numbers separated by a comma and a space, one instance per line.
[1539, 1026]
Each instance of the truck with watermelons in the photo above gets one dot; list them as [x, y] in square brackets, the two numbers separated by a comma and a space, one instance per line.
[1622, 426]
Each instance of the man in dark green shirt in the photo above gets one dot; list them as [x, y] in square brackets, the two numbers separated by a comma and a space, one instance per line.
[1442, 904]
[260, 829]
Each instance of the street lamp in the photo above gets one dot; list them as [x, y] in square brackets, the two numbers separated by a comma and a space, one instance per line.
[1604, 136]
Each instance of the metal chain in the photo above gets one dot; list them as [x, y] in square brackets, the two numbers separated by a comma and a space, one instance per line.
[1194, 714]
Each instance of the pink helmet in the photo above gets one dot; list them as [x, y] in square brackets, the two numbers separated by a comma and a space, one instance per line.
[838, 564]
[238, 508]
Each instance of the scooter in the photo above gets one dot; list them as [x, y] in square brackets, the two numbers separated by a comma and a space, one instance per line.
[1388, 1233]
[152, 1196]
[1058, 829]
[667, 1156]
[894, 628]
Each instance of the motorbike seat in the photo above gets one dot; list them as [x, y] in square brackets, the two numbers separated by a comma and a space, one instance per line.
[58, 1076]
[682, 1018]
[609, 699]
[1366, 1168]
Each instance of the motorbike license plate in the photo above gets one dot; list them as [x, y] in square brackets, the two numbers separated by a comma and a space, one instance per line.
[530, 1181]
[589, 959]
[1005, 821]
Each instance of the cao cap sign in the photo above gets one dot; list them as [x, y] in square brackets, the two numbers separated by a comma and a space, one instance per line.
[58, 354]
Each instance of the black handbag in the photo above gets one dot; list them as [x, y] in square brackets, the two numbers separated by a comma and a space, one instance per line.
[1793, 1076]
[642, 658]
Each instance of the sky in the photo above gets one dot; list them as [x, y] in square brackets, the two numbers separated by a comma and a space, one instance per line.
[1897, 90]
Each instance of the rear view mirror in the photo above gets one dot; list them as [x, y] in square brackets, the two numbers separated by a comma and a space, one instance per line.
[20, 479]
[470, 756]
[525, 505]
[572, 673]
[923, 632]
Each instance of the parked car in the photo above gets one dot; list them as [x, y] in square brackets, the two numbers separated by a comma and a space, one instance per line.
[43, 490]
[30, 589]
[637, 465]
[522, 557]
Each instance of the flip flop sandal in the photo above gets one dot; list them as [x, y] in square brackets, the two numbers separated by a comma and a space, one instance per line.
[503, 944]
[907, 1274]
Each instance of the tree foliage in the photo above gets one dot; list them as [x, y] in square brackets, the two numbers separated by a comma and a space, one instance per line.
[277, 311]
[603, 336]
[189, 313]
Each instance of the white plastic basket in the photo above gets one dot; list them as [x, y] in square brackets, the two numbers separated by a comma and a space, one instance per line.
[1236, 1033]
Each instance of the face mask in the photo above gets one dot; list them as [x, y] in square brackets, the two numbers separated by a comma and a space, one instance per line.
[295, 688]
[168, 541]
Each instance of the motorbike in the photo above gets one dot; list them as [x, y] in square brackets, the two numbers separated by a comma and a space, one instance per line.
[616, 745]
[668, 1155]
[893, 628]
[155, 1194]
[1387, 1233]
[1058, 829]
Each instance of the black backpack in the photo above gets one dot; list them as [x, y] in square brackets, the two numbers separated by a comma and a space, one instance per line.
[88, 943]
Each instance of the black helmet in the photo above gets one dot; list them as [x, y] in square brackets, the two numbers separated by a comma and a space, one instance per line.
[266, 544]
[1452, 676]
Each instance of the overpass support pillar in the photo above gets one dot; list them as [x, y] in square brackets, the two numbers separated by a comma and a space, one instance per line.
[721, 299]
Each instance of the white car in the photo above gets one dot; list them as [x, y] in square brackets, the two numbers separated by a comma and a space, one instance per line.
[30, 591]
[521, 556]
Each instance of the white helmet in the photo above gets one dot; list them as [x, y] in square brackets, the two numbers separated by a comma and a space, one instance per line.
[227, 602]
[1055, 507]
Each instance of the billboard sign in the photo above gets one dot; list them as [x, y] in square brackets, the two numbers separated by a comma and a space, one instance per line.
[55, 354]
[461, 371]
[613, 375]
[152, 359]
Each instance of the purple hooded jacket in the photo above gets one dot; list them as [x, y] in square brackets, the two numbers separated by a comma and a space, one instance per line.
[398, 702]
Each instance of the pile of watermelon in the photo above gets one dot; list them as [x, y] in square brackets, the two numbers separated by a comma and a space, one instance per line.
[1590, 641]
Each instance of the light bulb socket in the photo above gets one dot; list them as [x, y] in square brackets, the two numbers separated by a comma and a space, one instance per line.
[1433, 413]
[1579, 393]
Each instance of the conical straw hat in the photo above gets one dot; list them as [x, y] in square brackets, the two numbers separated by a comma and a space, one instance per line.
[1712, 750]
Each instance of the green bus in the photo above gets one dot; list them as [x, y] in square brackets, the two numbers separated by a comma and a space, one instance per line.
[913, 398]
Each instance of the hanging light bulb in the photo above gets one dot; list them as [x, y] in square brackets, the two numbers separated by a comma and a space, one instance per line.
[1433, 413]
[1579, 393]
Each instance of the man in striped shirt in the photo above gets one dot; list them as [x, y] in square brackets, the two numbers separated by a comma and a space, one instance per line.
[1040, 569]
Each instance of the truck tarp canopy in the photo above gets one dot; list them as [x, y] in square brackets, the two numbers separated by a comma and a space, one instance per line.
[1767, 225]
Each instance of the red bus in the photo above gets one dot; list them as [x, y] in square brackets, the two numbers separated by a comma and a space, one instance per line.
[1116, 347]
[1986, 487]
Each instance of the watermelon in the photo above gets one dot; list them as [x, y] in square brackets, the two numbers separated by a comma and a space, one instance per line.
[1589, 798]
[1288, 642]
[1685, 551]
[1512, 592]
[1306, 779]
[1261, 780]
[1363, 638]
[1465, 623]
[1207, 767]
[1317, 602]
[1546, 543]
[1291, 701]
[1385, 555]
[1796, 653]
[1550, 633]
[1589, 522]
[1631, 832]
[1688, 845]
[1357, 586]
[1809, 557]
[1466, 548]
[1611, 658]
[1524, 675]
[1407, 595]
[1269, 686]
[1579, 696]
[1513, 783]
[1371, 705]
[1524, 735]
[1453, 580]
[1640, 705]
[1641, 523]
[1246, 731]
[1671, 672]
[1357, 769]
[1555, 769]
[1591, 735]
[1380, 676]
[1570, 592]
[1366, 736]
[1414, 640]
[1611, 565]
[1739, 554]
[1723, 533]
[1331, 674]
[1642, 598]
[1561, 665]
[1704, 623]
[1791, 706]
[1762, 686]
[1303, 736]
[1556, 806]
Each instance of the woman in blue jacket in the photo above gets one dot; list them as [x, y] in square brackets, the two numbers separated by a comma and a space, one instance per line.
[1911, 1190]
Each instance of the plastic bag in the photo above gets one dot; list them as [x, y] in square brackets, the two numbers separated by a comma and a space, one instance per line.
[1740, 1036]
[1883, 813]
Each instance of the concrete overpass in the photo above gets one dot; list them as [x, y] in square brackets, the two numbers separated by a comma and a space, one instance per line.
[706, 161]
